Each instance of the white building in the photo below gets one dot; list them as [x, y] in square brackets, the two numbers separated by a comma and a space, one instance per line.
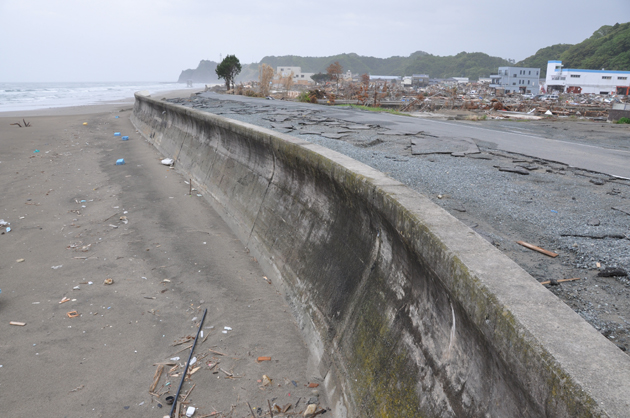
[298, 76]
[517, 80]
[586, 81]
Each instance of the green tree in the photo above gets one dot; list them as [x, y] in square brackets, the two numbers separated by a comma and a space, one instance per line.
[228, 70]
[320, 78]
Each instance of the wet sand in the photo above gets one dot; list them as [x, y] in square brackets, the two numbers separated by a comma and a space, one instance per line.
[78, 219]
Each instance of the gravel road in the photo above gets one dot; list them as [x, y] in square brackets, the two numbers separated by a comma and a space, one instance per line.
[582, 216]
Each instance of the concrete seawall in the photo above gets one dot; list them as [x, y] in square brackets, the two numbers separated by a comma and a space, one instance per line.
[407, 312]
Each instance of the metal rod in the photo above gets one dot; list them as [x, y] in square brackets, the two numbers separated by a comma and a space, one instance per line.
[192, 349]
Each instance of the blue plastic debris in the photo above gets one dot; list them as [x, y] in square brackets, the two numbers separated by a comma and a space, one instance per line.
[36, 150]
[8, 229]
[116, 117]
[116, 133]
[125, 138]
[554, 211]
[120, 161]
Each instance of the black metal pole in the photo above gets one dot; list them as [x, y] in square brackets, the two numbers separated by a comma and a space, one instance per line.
[192, 349]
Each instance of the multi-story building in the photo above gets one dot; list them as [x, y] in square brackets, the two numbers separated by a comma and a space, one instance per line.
[298, 76]
[571, 80]
[517, 80]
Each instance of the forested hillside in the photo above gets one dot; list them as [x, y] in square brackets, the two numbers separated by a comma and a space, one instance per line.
[608, 47]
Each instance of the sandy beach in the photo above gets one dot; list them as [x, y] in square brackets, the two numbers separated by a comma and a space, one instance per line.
[89, 349]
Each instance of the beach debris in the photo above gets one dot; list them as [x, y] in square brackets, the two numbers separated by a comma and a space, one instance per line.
[535, 248]
[266, 380]
[108, 281]
[310, 410]
[78, 388]
[84, 123]
[17, 324]
[116, 133]
[190, 411]
[313, 385]
[72, 314]
[56, 267]
[3, 222]
[555, 282]
[156, 377]
[612, 272]
[169, 400]
[168, 162]
[64, 300]
[26, 124]
[120, 161]
[125, 138]
[264, 358]
[19, 260]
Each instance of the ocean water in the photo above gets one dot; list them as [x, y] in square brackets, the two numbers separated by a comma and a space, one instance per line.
[29, 96]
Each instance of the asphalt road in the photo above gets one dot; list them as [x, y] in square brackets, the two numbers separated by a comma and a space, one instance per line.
[614, 162]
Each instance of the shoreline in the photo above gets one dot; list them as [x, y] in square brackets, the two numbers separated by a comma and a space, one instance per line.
[101, 107]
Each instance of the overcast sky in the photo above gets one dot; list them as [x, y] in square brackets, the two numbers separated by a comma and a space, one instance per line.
[154, 40]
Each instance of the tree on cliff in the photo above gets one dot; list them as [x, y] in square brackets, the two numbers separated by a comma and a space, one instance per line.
[228, 70]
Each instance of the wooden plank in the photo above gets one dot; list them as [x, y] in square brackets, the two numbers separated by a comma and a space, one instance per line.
[535, 248]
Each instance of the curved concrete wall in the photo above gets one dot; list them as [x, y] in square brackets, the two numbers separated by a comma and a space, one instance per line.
[408, 313]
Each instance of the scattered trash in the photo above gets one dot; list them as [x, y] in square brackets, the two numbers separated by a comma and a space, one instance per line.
[26, 124]
[125, 138]
[57, 267]
[19, 260]
[72, 314]
[266, 381]
[190, 411]
[192, 361]
[108, 281]
[313, 385]
[169, 400]
[310, 410]
[84, 123]
[64, 300]
[168, 161]
[535, 248]
[612, 272]
[3, 222]
[116, 133]
[36, 151]
[76, 288]
[263, 359]
[560, 281]
[227, 328]
[116, 117]
[120, 161]
[8, 229]
[17, 324]
[175, 358]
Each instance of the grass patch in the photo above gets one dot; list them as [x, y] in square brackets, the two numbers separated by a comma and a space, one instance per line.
[375, 109]
[623, 120]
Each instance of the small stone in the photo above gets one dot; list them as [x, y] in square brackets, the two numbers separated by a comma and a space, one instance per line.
[553, 282]
[598, 182]
[593, 222]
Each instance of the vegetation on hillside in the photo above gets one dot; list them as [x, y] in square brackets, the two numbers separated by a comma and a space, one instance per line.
[464, 64]
[608, 48]
[540, 58]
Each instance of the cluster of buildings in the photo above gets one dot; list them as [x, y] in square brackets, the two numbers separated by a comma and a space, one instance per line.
[507, 80]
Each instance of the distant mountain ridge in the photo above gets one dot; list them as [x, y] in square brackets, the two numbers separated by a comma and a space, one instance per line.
[608, 47]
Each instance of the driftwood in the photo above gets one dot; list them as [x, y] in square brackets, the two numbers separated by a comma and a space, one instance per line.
[26, 124]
